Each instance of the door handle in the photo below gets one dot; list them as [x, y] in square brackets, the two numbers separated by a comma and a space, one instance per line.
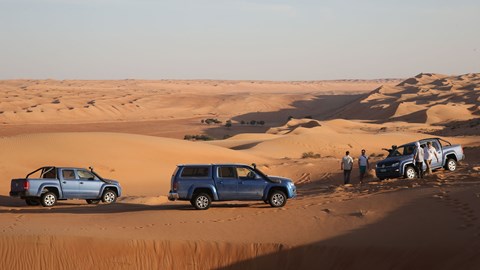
[64, 182]
[81, 183]
[220, 182]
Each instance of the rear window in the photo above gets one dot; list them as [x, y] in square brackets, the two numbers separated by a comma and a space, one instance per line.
[195, 172]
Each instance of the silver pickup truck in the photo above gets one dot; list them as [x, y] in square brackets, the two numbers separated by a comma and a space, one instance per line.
[400, 163]
[48, 184]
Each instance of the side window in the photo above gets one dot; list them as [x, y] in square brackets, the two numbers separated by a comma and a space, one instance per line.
[85, 175]
[246, 173]
[194, 172]
[409, 150]
[68, 174]
[226, 172]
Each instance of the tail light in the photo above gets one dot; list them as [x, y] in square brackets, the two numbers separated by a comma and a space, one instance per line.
[26, 185]
[175, 185]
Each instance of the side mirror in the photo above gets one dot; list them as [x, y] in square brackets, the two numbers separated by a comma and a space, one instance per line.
[91, 168]
[254, 165]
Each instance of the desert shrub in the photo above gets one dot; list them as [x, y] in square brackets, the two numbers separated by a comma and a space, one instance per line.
[209, 121]
[310, 155]
[198, 138]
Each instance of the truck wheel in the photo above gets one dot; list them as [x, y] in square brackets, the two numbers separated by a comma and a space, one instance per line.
[410, 172]
[277, 198]
[451, 164]
[109, 196]
[93, 201]
[201, 201]
[48, 199]
[32, 202]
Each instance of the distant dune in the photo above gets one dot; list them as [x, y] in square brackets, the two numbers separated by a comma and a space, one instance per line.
[425, 98]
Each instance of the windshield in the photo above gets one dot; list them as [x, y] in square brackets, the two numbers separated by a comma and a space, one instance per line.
[404, 150]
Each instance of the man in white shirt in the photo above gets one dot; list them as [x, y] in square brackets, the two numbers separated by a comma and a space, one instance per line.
[418, 157]
[363, 164]
[429, 152]
[346, 166]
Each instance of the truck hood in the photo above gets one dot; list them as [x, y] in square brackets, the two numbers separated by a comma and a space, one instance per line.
[279, 179]
[390, 160]
[112, 182]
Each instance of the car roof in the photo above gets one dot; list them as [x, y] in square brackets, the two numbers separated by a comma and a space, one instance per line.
[213, 164]
[421, 141]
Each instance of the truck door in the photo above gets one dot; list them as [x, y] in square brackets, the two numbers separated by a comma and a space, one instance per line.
[438, 147]
[250, 185]
[89, 185]
[69, 183]
[227, 182]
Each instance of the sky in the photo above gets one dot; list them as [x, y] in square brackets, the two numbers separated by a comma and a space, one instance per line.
[237, 39]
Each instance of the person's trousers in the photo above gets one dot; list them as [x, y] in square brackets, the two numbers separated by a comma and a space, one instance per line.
[346, 176]
[429, 166]
[419, 169]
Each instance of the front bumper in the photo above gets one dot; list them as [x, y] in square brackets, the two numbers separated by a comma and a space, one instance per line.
[172, 196]
[388, 172]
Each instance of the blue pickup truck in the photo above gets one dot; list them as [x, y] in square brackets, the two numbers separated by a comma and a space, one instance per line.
[399, 162]
[48, 184]
[202, 184]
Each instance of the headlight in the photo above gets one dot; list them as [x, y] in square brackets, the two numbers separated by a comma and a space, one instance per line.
[396, 164]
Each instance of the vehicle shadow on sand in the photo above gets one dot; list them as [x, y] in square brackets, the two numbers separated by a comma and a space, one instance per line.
[15, 205]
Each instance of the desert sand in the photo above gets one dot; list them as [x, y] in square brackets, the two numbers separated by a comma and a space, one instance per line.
[133, 131]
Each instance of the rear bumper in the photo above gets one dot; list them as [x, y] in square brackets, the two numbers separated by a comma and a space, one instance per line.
[18, 194]
[172, 196]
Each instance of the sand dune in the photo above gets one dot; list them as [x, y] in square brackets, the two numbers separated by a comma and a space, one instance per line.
[143, 164]
[397, 223]
[426, 98]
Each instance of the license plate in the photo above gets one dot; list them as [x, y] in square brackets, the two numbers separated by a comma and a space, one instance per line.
[383, 170]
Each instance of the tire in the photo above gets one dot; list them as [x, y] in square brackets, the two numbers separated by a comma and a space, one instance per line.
[48, 199]
[201, 201]
[109, 196]
[32, 202]
[277, 198]
[93, 201]
[451, 164]
[410, 172]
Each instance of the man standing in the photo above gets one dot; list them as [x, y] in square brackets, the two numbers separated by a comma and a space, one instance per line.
[346, 166]
[363, 165]
[418, 157]
[429, 152]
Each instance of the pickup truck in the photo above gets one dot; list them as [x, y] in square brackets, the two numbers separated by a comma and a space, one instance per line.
[50, 184]
[202, 184]
[399, 162]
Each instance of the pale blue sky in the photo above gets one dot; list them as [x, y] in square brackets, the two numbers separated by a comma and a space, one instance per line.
[237, 39]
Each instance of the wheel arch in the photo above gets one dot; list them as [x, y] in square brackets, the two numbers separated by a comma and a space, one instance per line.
[273, 188]
[210, 190]
[53, 189]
